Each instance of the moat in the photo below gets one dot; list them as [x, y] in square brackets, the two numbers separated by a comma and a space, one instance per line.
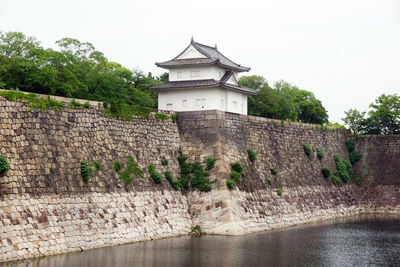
[367, 240]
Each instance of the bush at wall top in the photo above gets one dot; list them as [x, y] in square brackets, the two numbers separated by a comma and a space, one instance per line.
[307, 149]
[161, 116]
[3, 165]
[252, 154]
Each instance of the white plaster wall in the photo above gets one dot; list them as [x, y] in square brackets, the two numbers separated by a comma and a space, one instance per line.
[191, 52]
[207, 72]
[202, 99]
[240, 100]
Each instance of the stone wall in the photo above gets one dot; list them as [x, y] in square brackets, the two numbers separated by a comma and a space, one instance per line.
[307, 196]
[46, 208]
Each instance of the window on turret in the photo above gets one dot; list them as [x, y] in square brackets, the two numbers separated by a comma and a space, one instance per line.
[179, 74]
[235, 105]
[195, 73]
[184, 103]
[169, 106]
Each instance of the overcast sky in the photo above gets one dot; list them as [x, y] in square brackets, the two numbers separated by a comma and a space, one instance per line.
[347, 52]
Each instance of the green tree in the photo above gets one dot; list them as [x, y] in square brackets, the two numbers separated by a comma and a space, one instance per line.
[355, 120]
[387, 111]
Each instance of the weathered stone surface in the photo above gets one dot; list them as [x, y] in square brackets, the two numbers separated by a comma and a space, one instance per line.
[46, 208]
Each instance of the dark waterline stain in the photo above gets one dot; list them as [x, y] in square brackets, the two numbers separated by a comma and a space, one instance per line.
[360, 241]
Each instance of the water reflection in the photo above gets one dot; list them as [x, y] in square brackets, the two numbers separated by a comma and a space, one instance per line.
[368, 240]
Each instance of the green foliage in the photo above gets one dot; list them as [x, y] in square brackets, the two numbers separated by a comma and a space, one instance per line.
[269, 181]
[349, 145]
[236, 166]
[279, 192]
[193, 174]
[131, 170]
[33, 101]
[383, 118]
[307, 149]
[175, 184]
[86, 104]
[117, 166]
[96, 165]
[74, 104]
[326, 172]
[155, 175]
[174, 117]
[75, 69]
[342, 168]
[164, 162]
[284, 101]
[356, 180]
[196, 230]
[348, 166]
[161, 116]
[86, 171]
[230, 183]
[4, 166]
[252, 154]
[282, 123]
[320, 153]
[273, 171]
[210, 162]
[354, 157]
[235, 175]
[335, 180]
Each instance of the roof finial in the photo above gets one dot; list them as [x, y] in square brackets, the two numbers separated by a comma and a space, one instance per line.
[216, 48]
[192, 41]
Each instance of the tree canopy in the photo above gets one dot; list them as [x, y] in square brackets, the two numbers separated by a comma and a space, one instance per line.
[383, 118]
[283, 101]
[76, 69]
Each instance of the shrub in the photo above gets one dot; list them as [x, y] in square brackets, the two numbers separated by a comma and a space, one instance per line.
[354, 156]
[155, 175]
[196, 230]
[96, 165]
[168, 176]
[174, 117]
[252, 154]
[349, 145]
[236, 166]
[236, 176]
[356, 180]
[307, 149]
[175, 184]
[117, 166]
[342, 168]
[282, 123]
[193, 173]
[273, 171]
[320, 153]
[132, 168]
[74, 104]
[164, 162]
[160, 116]
[86, 171]
[335, 180]
[105, 105]
[348, 166]
[326, 172]
[269, 181]
[4, 167]
[86, 104]
[279, 192]
[210, 162]
[230, 183]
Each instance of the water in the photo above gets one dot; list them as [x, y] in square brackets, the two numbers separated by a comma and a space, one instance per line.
[361, 241]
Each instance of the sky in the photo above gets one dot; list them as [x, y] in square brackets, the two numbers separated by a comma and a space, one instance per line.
[347, 52]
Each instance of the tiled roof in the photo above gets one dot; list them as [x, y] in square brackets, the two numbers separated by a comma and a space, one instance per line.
[213, 57]
[192, 84]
